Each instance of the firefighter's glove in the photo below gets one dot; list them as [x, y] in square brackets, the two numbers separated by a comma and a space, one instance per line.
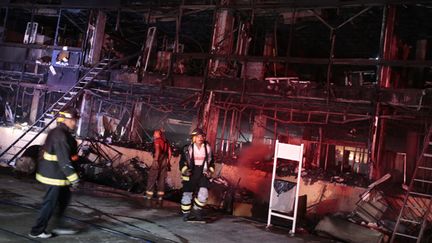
[208, 174]
[75, 185]
[188, 172]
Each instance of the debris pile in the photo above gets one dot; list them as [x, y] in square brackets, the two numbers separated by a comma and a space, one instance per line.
[130, 175]
[366, 223]
[310, 175]
[97, 165]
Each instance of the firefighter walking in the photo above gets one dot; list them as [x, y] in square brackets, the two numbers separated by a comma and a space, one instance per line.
[196, 166]
[159, 168]
[56, 171]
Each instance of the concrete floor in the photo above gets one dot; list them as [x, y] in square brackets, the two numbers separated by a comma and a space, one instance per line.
[107, 215]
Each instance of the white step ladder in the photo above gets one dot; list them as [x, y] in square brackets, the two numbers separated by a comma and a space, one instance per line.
[289, 152]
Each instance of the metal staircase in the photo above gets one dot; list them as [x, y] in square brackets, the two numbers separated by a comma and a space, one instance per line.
[416, 209]
[49, 116]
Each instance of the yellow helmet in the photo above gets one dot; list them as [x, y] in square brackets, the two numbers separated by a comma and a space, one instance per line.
[68, 113]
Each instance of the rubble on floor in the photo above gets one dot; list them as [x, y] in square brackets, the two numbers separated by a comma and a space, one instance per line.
[346, 231]
[130, 176]
[111, 215]
[310, 175]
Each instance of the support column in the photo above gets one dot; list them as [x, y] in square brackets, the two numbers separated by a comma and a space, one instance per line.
[95, 37]
[269, 51]
[212, 126]
[223, 40]
[412, 143]
[421, 50]
[259, 128]
[330, 64]
[57, 27]
[388, 52]
[326, 156]
[318, 161]
[83, 127]
[388, 48]
[34, 106]
[136, 130]
[377, 172]
[3, 34]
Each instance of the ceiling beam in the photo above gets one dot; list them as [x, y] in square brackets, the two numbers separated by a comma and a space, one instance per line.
[287, 4]
[26, 85]
[308, 60]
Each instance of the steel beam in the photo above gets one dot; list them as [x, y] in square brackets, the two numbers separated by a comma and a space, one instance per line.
[305, 60]
[57, 27]
[74, 23]
[164, 5]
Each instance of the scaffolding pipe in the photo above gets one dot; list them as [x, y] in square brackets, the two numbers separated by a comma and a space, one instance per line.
[57, 28]
[326, 157]
[207, 66]
[117, 26]
[24, 63]
[320, 131]
[176, 44]
[275, 125]
[223, 129]
[4, 23]
[383, 37]
[290, 39]
[231, 132]
[330, 63]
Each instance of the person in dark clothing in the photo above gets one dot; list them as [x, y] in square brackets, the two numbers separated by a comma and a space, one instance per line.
[159, 168]
[196, 166]
[56, 171]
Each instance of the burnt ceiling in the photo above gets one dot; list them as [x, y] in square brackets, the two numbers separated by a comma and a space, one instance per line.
[359, 38]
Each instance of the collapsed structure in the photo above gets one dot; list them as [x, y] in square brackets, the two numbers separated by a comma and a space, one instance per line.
[348, 79]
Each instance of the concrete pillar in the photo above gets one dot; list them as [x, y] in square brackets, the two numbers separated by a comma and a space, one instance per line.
[136, 130]
[259, 129]
[34, 106]
[212, 126]
[412, 146]
[95, 36]
[83, 127]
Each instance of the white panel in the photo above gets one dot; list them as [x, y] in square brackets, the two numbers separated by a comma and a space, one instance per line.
[289, 151]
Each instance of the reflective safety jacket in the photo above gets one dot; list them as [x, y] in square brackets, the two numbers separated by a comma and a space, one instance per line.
[60, 150]
[187, 160]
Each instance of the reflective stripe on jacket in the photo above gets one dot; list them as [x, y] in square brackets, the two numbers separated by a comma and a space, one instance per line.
[56, 167]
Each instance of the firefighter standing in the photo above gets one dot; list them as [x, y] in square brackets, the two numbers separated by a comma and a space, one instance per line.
[56, 171]
[159, 168]
[196, 166]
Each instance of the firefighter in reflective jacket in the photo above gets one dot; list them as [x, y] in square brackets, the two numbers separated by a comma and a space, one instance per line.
[56, 171]
[196, 166]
